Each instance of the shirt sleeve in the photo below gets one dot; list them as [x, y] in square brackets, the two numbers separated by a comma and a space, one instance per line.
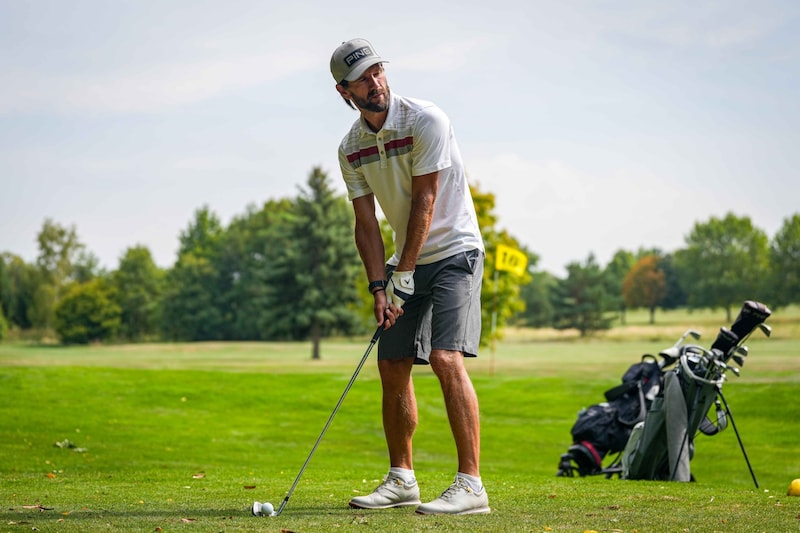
[432, 137]
[357, 185]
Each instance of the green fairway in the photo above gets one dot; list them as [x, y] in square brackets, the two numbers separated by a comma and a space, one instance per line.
[183, 437]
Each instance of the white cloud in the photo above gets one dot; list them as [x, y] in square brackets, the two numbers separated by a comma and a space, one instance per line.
[148, 88]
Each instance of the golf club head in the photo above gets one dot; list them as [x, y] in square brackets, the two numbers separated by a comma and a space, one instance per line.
[689, 332]
[765, 329]
[743, 351]
[738, 359]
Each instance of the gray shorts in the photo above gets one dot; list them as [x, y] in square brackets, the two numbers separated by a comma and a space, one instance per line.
[443, 314]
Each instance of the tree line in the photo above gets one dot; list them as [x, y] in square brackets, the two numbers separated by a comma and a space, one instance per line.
[290, 271]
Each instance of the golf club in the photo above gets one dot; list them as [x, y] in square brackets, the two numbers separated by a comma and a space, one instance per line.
[266, 508]
[694, 333]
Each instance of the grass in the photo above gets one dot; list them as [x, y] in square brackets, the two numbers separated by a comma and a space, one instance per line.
[183, 437]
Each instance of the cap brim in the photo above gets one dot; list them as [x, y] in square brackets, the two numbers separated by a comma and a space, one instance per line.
[362, 68]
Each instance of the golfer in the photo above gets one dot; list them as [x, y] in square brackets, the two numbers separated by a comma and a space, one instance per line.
[402, 152]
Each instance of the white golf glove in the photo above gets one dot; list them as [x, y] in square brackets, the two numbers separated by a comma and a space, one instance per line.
[400, 287]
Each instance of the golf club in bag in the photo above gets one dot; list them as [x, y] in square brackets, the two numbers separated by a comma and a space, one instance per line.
[266, 509]
[661, 446]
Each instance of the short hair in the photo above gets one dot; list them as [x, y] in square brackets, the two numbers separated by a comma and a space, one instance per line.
[345, 84]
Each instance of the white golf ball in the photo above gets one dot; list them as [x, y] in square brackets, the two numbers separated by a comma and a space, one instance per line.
[262, 509]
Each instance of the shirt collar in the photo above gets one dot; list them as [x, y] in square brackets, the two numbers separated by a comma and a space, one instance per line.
[389, 123]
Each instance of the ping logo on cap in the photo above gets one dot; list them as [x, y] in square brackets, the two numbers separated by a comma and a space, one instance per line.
[358, 55]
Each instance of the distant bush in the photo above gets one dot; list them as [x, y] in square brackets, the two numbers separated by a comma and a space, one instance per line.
[87, 313]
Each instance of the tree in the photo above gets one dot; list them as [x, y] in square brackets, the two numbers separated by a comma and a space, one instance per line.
[582, 301]
[203, 234]
[645, 285]
[500, 295]
[674, 295]
[87, 313]
[6, 298]
[192, 308]
[139, 285]
[614, 274]
[3, 325]
[21, 284]
[725, 262]
[785, 263]
[62, 259]
[248, 253]
[538, 296]
[322, 261]
[189, 312]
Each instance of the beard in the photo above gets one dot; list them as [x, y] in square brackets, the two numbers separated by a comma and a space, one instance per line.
[368, 105]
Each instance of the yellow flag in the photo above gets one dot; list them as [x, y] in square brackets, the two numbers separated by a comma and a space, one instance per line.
[510, 259]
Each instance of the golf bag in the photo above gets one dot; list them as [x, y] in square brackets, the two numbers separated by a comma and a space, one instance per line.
[661, 446]
[650, 420]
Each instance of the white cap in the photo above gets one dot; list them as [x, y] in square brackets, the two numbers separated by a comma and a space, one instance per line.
[352, 58]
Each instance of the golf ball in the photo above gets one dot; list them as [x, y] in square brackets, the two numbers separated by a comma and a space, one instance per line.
[794, 488]
[263, 509]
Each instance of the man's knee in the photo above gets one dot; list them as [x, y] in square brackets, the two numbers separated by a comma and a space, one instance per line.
[394, 370]
[446, 361]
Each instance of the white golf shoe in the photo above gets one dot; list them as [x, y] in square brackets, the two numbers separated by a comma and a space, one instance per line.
[393, 492]
[459, 498]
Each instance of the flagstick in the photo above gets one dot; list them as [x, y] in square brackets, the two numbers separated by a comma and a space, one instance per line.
[494, 326]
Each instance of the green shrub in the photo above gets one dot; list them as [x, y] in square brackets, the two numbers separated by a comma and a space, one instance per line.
[87, 314]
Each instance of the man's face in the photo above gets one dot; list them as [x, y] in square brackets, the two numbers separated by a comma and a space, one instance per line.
[370, 92]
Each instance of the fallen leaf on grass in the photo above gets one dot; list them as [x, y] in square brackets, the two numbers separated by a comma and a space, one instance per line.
[66, 443]
[199, 475]
[38, 506]
[248, 487]
[188, 520]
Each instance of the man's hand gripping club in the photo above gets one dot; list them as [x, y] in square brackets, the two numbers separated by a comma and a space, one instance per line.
[400, 287]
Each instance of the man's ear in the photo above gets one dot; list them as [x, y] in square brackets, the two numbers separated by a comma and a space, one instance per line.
[342, 91]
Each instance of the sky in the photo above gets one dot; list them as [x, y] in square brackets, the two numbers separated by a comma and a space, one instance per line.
[598, 125]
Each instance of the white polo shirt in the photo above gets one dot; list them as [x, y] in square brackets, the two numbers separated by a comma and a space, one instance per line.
[416, 139]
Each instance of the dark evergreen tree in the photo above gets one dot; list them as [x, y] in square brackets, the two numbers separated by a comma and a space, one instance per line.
[582, 301]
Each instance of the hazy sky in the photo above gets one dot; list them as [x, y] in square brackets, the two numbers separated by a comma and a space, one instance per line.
[598, 125]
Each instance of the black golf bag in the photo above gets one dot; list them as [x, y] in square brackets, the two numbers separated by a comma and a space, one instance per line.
[605, 427]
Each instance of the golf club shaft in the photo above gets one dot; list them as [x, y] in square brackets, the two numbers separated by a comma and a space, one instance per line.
[330, 418]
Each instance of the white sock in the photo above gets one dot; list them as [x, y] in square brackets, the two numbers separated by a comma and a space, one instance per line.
[402, 473]
[474, 483]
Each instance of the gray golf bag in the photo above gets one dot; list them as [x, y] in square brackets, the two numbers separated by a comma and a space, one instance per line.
[661, 446]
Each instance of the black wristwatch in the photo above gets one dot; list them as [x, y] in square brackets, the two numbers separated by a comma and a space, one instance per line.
[378, 285]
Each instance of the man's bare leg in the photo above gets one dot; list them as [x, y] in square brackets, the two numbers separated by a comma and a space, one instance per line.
[399, 410]
[461, 403]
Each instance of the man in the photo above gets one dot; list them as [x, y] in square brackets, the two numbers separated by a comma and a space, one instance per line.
[402, 152]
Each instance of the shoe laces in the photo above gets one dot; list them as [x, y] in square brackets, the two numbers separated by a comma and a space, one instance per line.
[458, 484]
[388, 482]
